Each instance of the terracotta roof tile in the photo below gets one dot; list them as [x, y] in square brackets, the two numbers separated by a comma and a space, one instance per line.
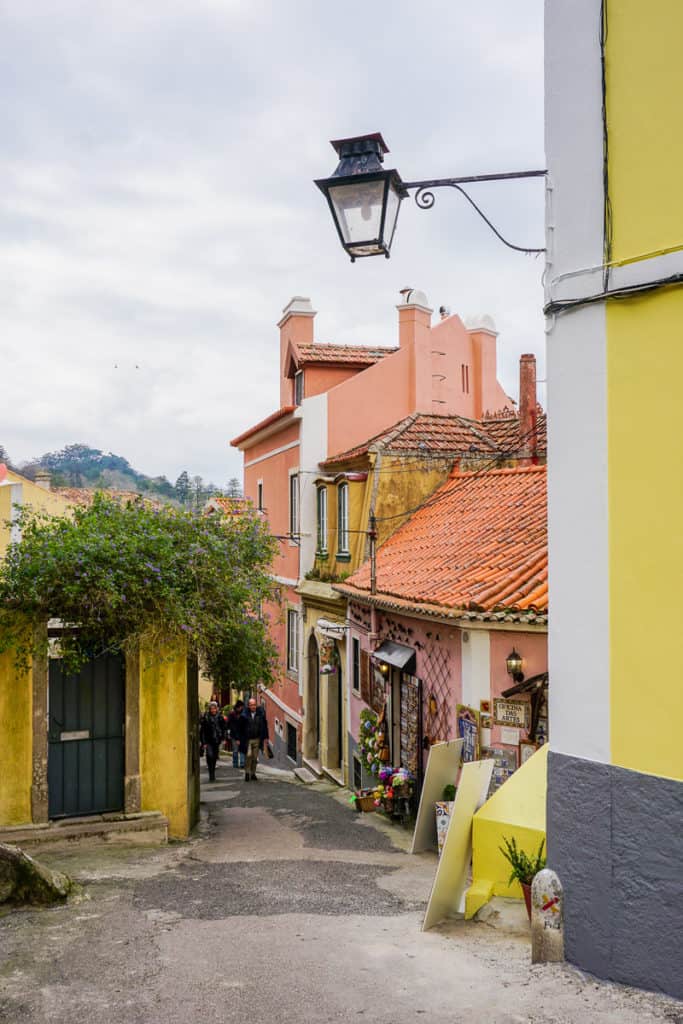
[479, 544]
[355, 355]
[503, 429]
[425, 434]
[82, 497]
[262, 424]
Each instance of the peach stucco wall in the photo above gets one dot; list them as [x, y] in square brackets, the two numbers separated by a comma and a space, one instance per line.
[425, 375]
[318, 379]
[275, 472]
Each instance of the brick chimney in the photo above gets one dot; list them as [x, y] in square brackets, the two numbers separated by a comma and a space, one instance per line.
[295, 326]
[527, 406]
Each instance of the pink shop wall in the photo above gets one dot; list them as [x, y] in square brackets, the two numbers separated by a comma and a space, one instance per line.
[534, 650]
[437, 659]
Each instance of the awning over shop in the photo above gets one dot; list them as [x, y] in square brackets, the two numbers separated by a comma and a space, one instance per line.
[395, 654]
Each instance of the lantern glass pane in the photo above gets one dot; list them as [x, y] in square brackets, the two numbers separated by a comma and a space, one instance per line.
[393, 203]
[358, 209]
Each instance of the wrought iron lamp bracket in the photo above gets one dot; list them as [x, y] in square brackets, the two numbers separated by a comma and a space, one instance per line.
[425, 198]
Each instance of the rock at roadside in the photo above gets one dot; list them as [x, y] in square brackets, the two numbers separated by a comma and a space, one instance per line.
[24, 880]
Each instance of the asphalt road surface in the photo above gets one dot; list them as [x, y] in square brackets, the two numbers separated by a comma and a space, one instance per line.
[288, 907]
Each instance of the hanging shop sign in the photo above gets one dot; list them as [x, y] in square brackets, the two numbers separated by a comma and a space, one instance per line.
[468, 727]
[513, 713]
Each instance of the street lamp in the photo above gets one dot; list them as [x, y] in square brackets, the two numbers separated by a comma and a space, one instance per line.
[364, 199]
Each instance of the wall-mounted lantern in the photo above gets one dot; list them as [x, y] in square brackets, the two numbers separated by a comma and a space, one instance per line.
[513, 663]
[384, 668]
[364, 199]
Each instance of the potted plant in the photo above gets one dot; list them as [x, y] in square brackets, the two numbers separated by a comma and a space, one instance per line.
[523, 866]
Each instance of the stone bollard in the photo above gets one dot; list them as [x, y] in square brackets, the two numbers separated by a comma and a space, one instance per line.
[547, 918]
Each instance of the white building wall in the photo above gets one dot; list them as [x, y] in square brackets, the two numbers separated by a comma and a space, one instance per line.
[578, 635]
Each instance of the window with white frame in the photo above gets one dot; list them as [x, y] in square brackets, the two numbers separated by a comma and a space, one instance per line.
[322, 519]
[294, 504]
[298, 387]
[343, 519]
[355, 664]
[292, 640]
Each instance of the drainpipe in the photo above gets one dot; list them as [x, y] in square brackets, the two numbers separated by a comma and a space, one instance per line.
[372, 534]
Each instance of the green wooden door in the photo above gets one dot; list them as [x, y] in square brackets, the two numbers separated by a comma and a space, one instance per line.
[85, 767]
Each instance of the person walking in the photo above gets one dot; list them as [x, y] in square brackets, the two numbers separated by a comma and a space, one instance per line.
[211, 734]
[253, 735]
[234, 734]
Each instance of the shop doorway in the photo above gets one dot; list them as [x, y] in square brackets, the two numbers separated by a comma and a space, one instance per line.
[311, 745]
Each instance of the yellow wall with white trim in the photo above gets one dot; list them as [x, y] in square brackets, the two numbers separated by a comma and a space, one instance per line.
[645, 445]
[643, 76]
[645, 375]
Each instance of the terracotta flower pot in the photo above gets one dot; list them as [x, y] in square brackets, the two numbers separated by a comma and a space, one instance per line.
[526, 889]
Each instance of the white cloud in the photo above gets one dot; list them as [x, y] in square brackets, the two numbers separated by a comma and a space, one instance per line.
[159, 208]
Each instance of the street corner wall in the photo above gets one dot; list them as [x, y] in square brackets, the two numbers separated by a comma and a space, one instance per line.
[16, 743]
[623, 894]
[516, 810]
[164, 738]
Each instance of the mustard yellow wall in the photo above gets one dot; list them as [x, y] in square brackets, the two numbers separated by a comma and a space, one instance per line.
[643, 73]
[357, 503]
[16, 743]
[164, 740]
[36, 497]
[403, 484]
[645, 371]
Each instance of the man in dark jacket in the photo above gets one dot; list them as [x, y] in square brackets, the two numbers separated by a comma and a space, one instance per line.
[234, 734]
[211, 733]
[253, 735]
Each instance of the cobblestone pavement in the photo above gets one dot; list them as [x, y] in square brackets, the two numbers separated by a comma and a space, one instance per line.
[287, 907]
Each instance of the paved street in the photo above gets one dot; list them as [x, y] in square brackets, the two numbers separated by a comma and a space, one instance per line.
[288, 907]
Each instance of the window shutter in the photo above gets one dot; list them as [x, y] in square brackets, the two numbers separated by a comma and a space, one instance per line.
[365, 676]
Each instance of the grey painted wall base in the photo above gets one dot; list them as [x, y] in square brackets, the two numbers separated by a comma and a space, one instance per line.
[615, 838]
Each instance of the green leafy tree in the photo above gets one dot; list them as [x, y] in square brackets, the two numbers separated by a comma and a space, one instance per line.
[125, 574]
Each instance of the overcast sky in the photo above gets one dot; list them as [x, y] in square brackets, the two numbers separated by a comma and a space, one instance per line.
[158, 209]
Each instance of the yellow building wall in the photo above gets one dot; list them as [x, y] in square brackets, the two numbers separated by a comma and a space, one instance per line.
[404, 484]
[643, 77]
[33, 495]
[16, 743]
[164, 740]
[644, 372]
[516, 810]
[646, 534]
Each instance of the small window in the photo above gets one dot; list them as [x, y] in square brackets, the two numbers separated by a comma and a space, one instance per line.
[355, 666]
[322, 519]
[259, 496]
[294, 505]
[291, 741]
[298, 387]
[343, 519]
[357, 772]
[465, 377]
[292, 640]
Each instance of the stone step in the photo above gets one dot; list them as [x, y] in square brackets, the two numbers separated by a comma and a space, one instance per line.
[147, 827]
[303, 774]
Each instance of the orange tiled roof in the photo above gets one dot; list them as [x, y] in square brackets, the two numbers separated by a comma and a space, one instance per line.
[477, 548]
[83, 497]
[355, 355]
[232, 506]
[503, 429]
[424, 433]
[279, 414]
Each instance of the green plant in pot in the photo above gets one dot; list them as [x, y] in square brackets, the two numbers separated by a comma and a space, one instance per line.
[524, 867]
[448, 792]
